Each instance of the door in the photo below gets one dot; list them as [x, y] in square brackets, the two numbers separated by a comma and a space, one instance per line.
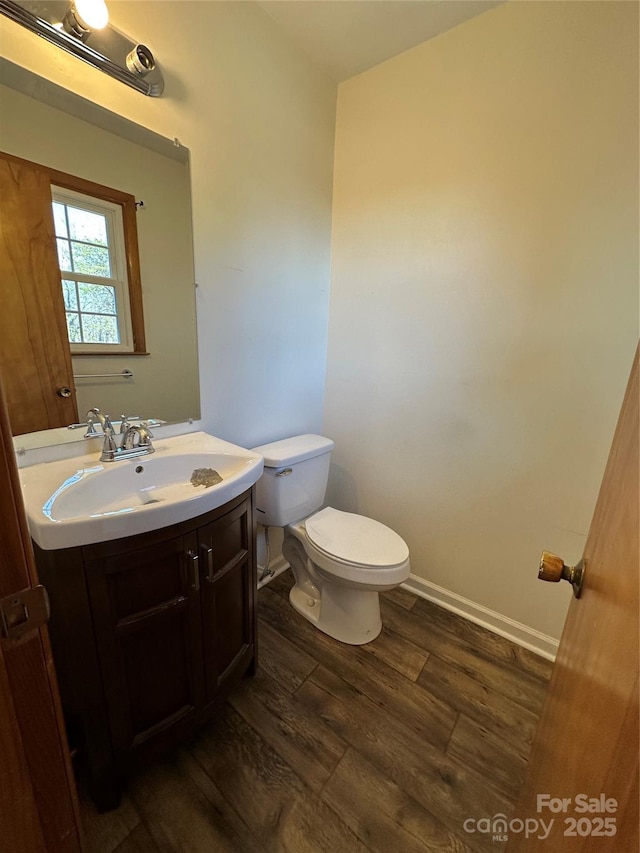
[38, 809]
[146, 611]
[583, 771]
[35, 358]
[226, 562]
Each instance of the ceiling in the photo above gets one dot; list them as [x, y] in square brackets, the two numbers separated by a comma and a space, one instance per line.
[345, 37]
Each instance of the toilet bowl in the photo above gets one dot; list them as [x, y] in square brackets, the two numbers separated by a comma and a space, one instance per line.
[340, 561]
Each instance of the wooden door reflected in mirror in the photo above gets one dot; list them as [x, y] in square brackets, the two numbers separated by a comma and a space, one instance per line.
[35, 359]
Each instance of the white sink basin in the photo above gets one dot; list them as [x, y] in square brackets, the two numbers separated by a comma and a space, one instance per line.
[82, 500]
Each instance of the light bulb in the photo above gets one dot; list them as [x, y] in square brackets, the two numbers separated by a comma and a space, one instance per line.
[93, 14]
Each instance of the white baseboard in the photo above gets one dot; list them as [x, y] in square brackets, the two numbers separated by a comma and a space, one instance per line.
[529, 638]
[277, 566]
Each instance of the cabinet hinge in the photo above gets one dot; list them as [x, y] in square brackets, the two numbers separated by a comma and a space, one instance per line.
[23, 612]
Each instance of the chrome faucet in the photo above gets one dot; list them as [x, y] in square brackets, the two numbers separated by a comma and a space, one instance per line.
[127, 446]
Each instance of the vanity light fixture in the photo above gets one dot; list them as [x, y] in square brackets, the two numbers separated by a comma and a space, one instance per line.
[81, 27]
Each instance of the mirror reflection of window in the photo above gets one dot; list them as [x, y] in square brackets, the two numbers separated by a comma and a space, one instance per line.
[91, 255]
[101, 155]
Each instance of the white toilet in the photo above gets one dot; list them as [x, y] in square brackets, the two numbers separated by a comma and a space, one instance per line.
[340, 561]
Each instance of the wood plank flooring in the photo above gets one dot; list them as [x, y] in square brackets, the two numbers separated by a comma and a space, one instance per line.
[383, 748]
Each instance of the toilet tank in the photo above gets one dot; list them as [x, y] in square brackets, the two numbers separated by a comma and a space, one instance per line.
[294, 479]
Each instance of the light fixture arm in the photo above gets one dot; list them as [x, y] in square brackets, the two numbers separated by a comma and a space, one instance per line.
[106, 49]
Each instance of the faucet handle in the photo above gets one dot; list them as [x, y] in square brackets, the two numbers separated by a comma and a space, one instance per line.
[110, 446]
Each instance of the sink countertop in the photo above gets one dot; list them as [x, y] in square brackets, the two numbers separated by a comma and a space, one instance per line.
[80, 501]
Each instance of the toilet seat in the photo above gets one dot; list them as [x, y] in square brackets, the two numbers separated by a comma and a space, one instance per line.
[355, 539]
[354, 548]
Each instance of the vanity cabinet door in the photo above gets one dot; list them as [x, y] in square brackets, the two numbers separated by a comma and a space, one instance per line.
[227, 589]
[146, 610]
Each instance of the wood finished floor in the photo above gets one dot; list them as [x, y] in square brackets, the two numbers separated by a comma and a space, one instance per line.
[341, 749]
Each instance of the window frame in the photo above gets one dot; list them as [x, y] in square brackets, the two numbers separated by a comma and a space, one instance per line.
[127, 203]
[112, 214]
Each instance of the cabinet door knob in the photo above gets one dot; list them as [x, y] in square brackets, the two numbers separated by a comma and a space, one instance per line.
[63, 391]
[552, 568]
[195, 566]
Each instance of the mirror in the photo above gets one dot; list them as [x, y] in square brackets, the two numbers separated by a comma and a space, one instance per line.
[46, 124]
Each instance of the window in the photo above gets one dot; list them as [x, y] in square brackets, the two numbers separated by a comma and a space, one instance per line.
[92, 258]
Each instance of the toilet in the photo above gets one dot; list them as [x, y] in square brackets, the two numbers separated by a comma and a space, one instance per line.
[340, 561]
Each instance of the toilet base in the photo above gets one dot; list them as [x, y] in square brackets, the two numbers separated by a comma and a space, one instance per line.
[350, 615]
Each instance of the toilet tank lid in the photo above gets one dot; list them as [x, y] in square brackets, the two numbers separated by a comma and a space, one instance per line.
[288, 451]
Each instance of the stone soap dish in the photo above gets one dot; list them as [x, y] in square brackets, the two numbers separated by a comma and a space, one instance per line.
[205, 477]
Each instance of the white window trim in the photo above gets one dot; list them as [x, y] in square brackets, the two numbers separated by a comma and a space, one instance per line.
[119, 279]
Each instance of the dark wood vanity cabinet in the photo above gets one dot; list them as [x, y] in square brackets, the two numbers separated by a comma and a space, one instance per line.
[149, 633]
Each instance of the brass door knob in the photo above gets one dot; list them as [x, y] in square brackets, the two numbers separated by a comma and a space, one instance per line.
[552, 568]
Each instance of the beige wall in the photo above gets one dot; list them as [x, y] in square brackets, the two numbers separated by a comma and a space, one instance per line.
[484, 307]
[258, 120]
[164, 383]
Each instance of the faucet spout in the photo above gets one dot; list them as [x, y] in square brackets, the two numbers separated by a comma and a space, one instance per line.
[144, 438]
